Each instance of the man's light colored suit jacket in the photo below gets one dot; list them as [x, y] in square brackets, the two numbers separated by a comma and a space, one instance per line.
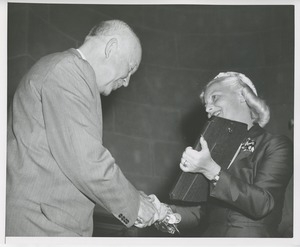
[57, 167]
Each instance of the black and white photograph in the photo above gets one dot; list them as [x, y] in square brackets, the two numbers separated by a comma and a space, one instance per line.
[164, 121]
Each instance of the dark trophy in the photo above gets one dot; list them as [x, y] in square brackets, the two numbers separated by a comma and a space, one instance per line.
[223, 137]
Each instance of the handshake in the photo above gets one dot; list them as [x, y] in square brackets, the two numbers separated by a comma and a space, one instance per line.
[152, 211]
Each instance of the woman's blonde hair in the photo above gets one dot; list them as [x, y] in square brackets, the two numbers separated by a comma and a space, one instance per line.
[260, 111]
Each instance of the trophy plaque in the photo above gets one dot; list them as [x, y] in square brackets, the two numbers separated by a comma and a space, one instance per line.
[223, 137]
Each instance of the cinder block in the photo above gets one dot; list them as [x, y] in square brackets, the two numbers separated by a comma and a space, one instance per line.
[278, 83]
[44, 39]
[75, 20]
[199, 51]
[153, 185]
[17, 68]
[158, 47]
[167, 158]
[17, 32]
[146, 121]
[41, 10]
[131, 14]
[241, 50]
[281, 115]
[132, 155]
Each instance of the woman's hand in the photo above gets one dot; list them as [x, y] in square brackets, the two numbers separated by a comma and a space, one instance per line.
[199, 161]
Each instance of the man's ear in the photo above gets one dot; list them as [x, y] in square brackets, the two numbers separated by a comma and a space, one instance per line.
[241, 96]
[111, 46]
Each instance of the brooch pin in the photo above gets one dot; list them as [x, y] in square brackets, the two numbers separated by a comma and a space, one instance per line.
[248, 145]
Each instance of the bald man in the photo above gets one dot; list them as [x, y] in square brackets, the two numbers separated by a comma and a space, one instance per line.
[57, 166]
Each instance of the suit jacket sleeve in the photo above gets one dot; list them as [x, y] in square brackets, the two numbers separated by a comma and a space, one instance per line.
[74, 133]
[270, 175]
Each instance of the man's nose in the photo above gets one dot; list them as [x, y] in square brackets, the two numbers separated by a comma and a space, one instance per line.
[126, 81]
[209, 108]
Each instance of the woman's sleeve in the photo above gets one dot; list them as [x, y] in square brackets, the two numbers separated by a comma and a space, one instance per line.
[190, 216]
[270, 178]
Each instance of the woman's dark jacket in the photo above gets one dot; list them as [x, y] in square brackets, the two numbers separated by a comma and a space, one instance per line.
[247, 200]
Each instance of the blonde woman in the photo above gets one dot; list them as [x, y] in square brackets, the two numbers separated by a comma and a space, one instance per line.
[246, 199]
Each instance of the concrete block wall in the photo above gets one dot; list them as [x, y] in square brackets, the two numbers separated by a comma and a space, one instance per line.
[18, 58]
[148, 125]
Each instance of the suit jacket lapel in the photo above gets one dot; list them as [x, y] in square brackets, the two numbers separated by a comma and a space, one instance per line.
[253, 133]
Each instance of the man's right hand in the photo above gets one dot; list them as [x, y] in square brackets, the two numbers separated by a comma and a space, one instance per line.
[148, 213]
